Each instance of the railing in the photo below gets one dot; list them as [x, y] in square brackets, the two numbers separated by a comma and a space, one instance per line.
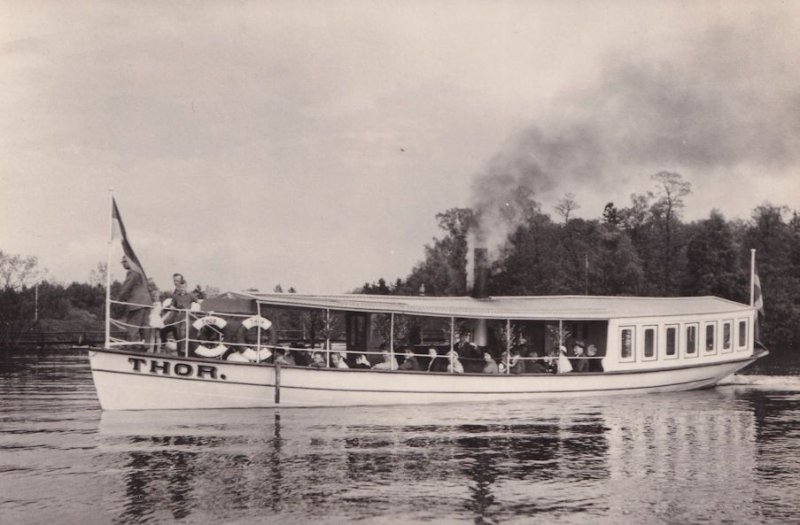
[261, 351]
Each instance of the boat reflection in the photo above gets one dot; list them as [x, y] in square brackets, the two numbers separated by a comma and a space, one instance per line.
[433, 462]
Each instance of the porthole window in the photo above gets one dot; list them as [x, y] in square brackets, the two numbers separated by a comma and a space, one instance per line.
[742, 334]
[691, 340]
[626, 344]
[649, 342]
[710, 332]
[727, 336]
[671, 341]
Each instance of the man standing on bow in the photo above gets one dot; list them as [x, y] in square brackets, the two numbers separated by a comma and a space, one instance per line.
[137, 301]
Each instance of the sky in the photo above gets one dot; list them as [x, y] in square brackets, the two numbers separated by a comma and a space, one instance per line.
[311, 144]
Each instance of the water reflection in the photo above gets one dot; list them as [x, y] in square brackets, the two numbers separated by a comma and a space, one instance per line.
[696, 463]
[275, 469]
[146, 475]
[777, 465]
[331, 463]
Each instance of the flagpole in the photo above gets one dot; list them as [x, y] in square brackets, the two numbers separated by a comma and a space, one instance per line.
[752, 277]
[108, 269]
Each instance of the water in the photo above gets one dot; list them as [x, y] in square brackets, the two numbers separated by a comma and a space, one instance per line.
[728, 455]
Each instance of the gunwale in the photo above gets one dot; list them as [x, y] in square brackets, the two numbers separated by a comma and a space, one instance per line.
[748, 357]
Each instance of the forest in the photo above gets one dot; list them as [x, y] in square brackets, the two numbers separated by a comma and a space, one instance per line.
[643, 248]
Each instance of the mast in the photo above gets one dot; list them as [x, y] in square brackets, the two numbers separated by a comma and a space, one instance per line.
[108, 269]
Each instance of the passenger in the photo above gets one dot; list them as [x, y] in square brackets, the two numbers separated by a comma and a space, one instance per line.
[338, 361]
[362, 362]
[388, 363]
[156, 324]
[503, 361]
[302, 357]
[454, 366]
[437, 363]
[432, 357]
[490, 367]
[410, 362]
[563, 365]
[247, 341]
[284, 356]
[523, 349]
[552, 359]
[595, 362]
[468, 352]
[579, 362]
[134, 292]
[318, 361]
[171, 345]
[536, 365]
[181, 299]
[198, 293]
[515, 364]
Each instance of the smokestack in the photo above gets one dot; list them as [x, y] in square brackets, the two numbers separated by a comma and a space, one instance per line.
[480, 290]
[480, 286]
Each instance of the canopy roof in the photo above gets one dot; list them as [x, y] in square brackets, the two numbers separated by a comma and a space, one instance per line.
[544, 307]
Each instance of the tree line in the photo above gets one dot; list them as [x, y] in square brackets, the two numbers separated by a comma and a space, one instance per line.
[27, 306]
[642, 249]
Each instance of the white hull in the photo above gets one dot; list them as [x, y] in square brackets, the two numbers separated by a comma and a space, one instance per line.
[131, 381]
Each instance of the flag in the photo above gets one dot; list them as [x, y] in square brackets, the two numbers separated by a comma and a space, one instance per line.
[758, 297]
[118, 230]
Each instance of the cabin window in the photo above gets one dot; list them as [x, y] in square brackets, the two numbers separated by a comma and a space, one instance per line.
[691, 340]
[671, 342]
[650, 342]
[626, 344]
[710, 329]
[742, 334]
[727, 344]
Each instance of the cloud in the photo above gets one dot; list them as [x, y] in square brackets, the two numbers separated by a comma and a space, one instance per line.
[729, 97]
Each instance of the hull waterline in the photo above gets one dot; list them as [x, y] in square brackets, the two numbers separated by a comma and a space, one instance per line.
[131, 381]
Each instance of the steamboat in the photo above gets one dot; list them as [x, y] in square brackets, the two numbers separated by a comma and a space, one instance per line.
[235, 350]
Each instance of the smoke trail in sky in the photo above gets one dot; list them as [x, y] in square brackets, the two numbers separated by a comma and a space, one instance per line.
[725, 100]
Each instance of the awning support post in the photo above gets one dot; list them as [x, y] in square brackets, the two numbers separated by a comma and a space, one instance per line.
[258, 332]
[186, 335]
[508, 346]
[560, 340]
[391, 337]
[277, 382]
[452, 343]
[328, 336]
